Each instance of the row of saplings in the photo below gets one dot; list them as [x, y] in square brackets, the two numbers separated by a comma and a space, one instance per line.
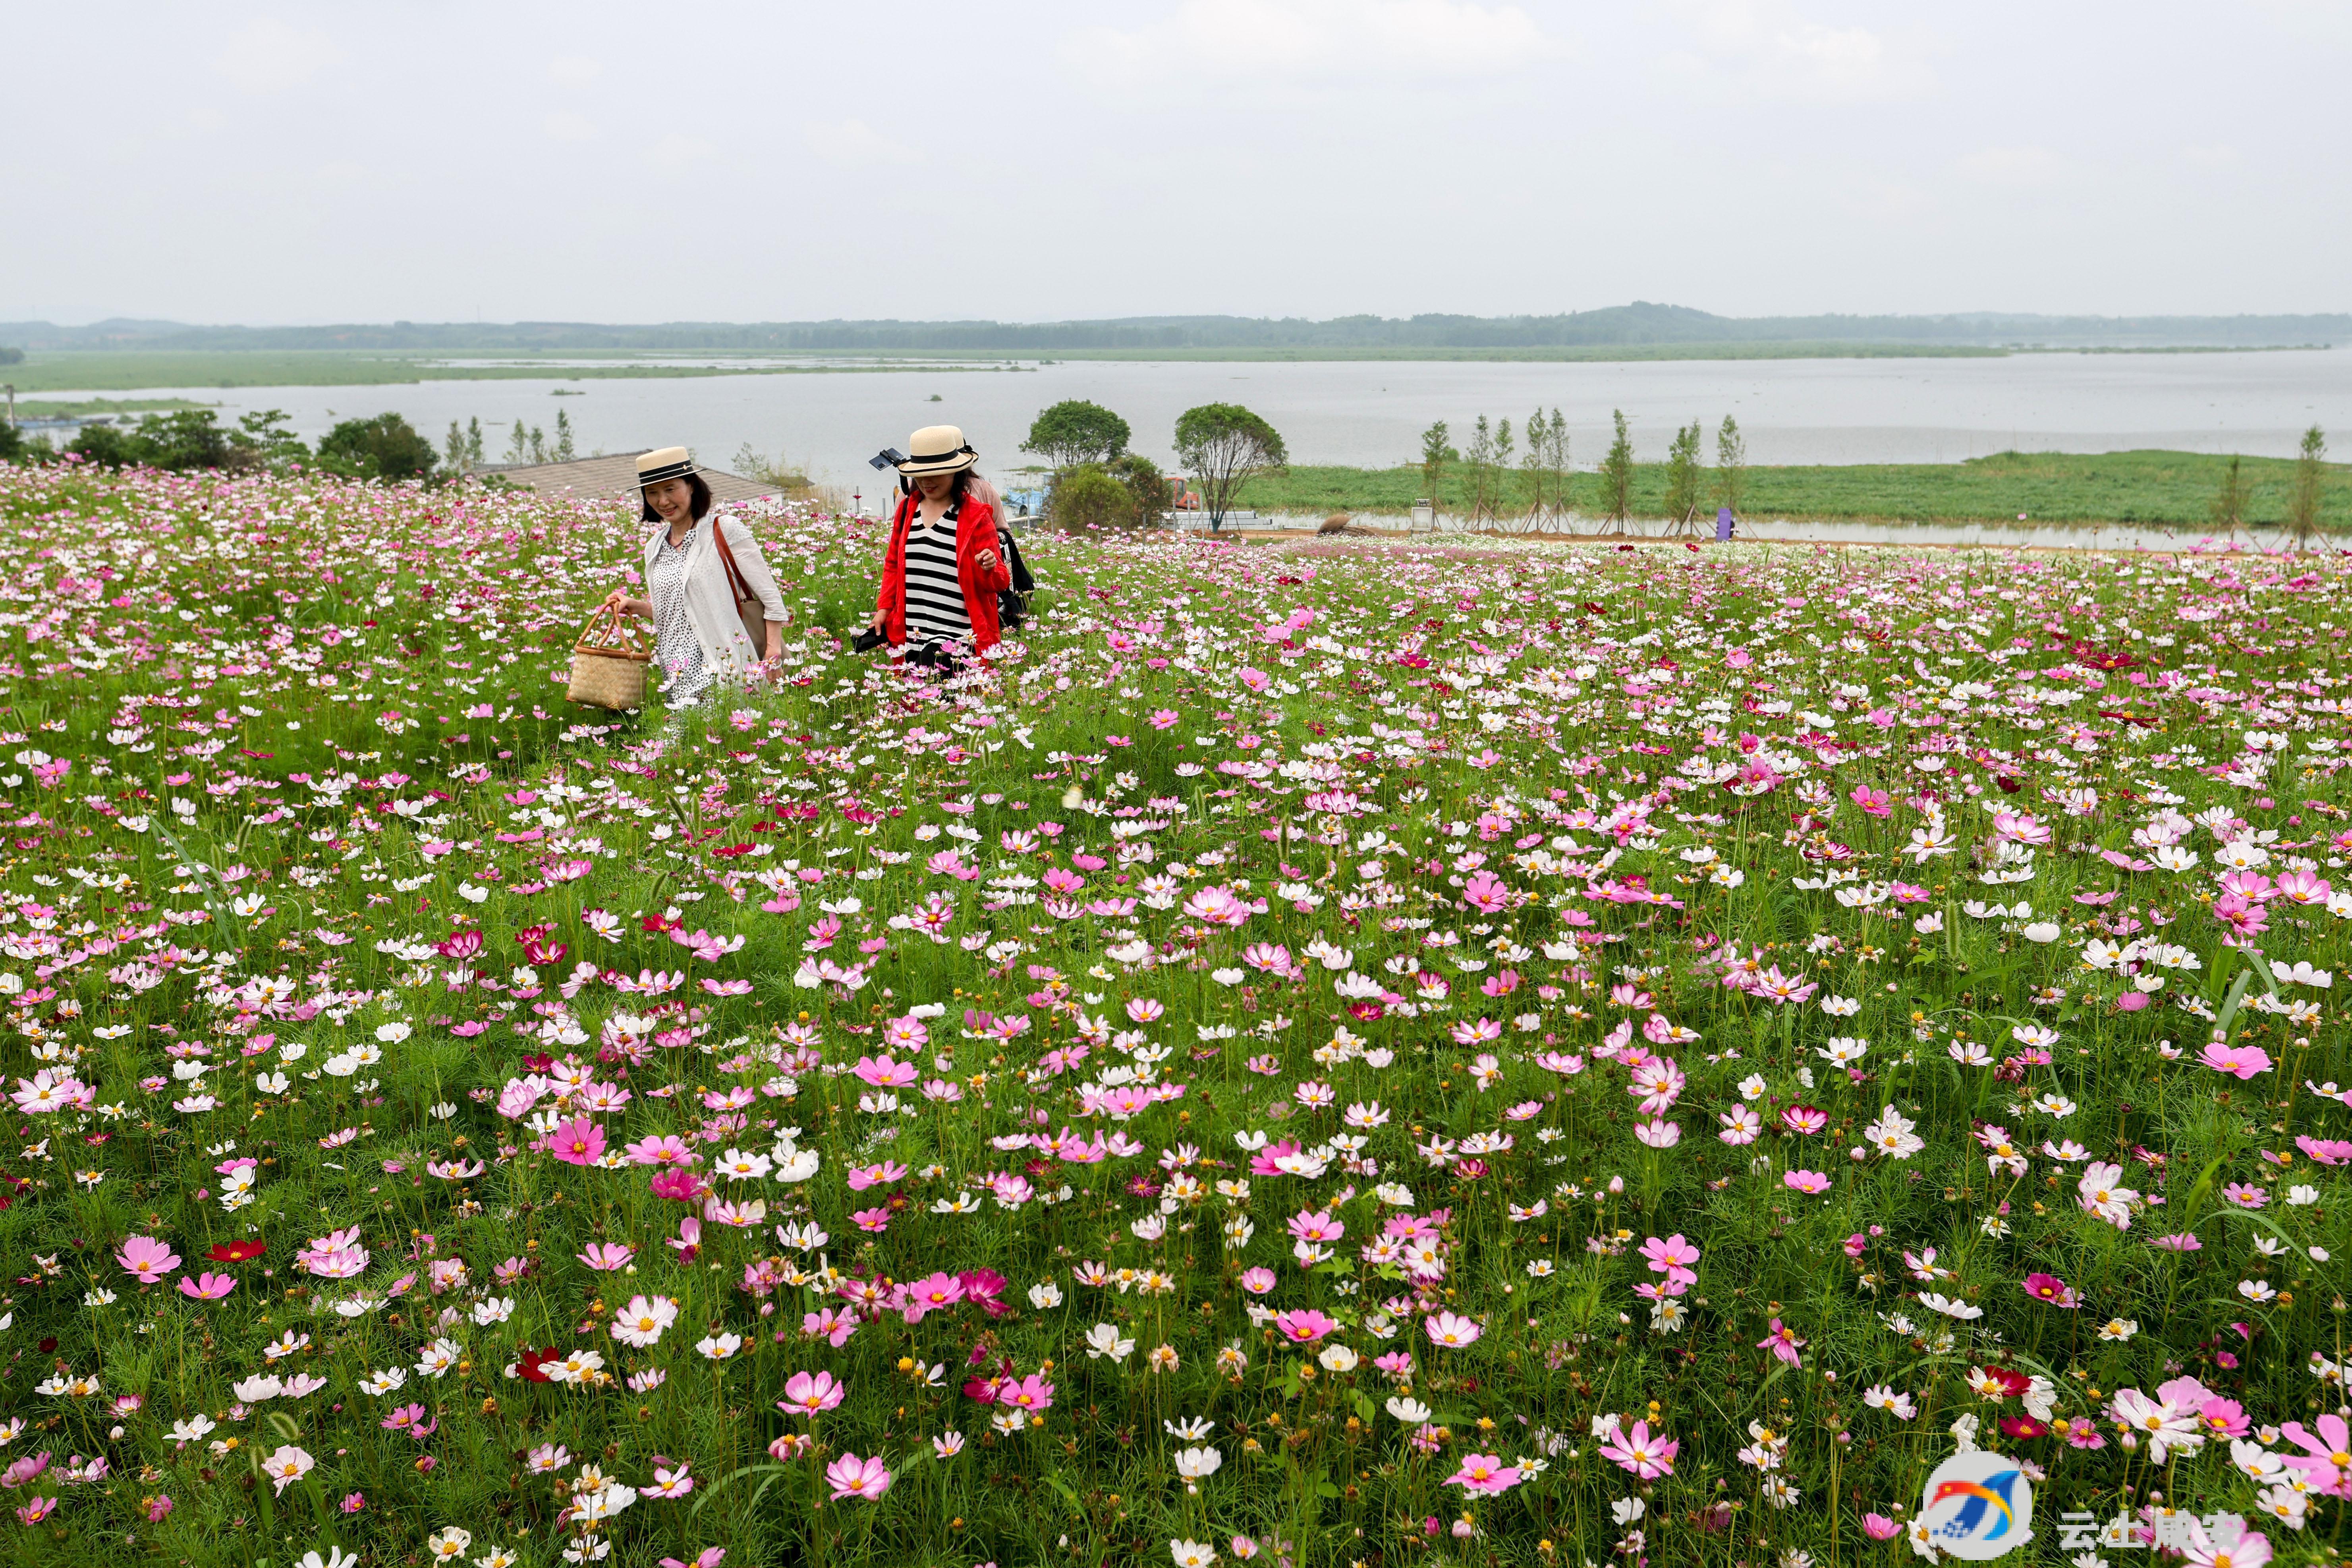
[1097, 482]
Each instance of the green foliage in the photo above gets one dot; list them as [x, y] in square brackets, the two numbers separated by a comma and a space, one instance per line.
[2171, 490]
[1147, 487]
[182, 440]
[262, 440]
[1223, 444]
[11, 356]
[1730, 465]
[12, 443]
[1085, 496]
[1075, 431]
[1434, 453]
[2303, 501]
[1617, 471]
[384, 447]
[1682, 475]
[2228, 512]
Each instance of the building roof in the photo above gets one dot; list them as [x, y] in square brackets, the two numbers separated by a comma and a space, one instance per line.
[616, 474]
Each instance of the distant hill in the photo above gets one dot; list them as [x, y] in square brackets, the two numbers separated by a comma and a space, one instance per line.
[1638, 325]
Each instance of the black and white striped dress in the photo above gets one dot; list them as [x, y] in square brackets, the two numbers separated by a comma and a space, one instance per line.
[935, 609]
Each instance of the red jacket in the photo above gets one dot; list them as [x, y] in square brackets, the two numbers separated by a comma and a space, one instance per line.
[975, 531]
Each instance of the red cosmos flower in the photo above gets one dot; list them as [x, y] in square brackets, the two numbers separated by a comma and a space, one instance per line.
[2022, 1426]
[2051, 1288]
[236, 1251]
[531, 1364]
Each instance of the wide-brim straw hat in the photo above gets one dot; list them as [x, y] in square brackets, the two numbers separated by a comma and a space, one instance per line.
[663, 464]
[938, 449]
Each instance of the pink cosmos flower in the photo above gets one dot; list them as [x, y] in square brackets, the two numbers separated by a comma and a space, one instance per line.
[207, 1287]
[607, 1256]
[1673, 1256]
[1487, 893]
[831, 1324]
[667, 1149]
[578, 1141]
[1303, 1326]
[1783, 1342]
[883, 1072]
[1878, 1527]
[930, 1295]
[1645, 1457]
[807, 1395]
[147, 1258]
[2327, 1150]
[1032, 1393]
[850, 1476]
[2327, 1459]
[2237, 1061]
[677, 1186]
[1483, 1473]
[1257, 1282]
[1805, 1181]
[1804, 1119]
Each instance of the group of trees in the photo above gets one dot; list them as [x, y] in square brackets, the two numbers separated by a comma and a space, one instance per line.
[384, 448]
[1546, 492]
[1098, 483]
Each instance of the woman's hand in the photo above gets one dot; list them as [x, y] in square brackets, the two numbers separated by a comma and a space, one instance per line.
[986, 560]
[619, 599]
[775, 644]
[879, 620]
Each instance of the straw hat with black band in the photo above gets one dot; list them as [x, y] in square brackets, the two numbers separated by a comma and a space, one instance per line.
[937, 449]
[663, 464]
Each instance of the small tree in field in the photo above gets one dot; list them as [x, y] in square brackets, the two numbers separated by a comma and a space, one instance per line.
[1617, 474]
[1225, 443]
[1434, 453]
[2229, 503]
[2303, 505]
[1730, 465]
[1074, 431]
[1481, 457]
[1682, 477]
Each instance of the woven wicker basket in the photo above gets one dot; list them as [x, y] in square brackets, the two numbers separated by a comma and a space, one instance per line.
[608, 666]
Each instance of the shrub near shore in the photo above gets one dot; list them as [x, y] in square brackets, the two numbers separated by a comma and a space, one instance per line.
[1429, 1059]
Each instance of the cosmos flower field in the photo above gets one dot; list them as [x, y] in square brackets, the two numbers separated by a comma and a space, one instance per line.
[1485, 1055]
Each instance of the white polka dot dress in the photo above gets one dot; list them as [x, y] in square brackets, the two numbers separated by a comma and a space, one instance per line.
[677, 652]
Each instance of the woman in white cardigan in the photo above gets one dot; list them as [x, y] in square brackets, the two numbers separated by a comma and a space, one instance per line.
[703, 620]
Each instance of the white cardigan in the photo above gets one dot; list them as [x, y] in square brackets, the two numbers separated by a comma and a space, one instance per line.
[710, 597]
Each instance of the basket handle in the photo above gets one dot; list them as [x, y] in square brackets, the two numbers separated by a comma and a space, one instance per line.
[617, 633]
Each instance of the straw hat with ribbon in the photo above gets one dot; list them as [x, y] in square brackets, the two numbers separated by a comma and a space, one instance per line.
[938, 449]
[662, 464]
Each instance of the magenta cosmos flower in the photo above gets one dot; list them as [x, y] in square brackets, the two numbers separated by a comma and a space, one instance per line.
[207, 1287]
[850, 1476]
[2051, 1288]
[147, 1258]
[578, 1141]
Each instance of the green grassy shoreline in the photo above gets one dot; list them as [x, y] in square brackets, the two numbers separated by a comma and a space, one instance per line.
[2143, 487]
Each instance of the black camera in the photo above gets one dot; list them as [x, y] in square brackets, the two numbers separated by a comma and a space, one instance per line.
[889, 456]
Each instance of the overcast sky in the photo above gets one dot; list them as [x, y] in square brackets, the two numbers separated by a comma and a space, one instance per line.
[1041, 161]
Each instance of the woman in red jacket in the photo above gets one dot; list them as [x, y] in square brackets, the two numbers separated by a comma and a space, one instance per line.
[944, 570]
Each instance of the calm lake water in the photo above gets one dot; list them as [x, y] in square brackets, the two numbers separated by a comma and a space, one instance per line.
[1792, 411]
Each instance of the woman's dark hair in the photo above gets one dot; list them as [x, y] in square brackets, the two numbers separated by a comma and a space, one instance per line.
[699, 504]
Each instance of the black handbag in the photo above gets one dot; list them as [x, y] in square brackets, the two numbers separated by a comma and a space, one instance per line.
[1013, 604]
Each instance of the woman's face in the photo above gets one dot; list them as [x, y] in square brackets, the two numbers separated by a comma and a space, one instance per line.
[672, 500]
[935, 487]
